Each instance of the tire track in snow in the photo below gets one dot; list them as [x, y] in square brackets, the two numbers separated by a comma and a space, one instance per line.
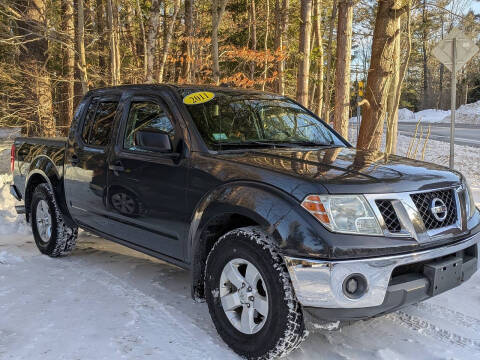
[425, 327]
[157, 315]
[453, 316]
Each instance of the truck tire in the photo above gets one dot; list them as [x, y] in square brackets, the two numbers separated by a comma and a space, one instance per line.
[52, 236]
[250, 296]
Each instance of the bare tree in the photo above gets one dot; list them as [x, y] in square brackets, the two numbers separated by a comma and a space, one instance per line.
[100, 27]
[112, 20]
[252, 19]
[218, 8]
[187, 69]
[33, 59]
[167, 41]
[281, 24]
[317, 26]
[304, 51]
[69, 56]
[153, 26]
[342, 72]
[392, 108]
[392, 131]
[426, 92]
[327, 84]
[82, 63]
[265, 44]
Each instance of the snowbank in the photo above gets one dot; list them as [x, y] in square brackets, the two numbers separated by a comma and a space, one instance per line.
[426, 116]
[10, 223]
[465, 114]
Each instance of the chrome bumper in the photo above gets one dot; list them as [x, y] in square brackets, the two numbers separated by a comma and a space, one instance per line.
[319, 283]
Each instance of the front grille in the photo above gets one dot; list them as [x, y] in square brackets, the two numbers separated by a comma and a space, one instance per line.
[389, 215]
[423, 201]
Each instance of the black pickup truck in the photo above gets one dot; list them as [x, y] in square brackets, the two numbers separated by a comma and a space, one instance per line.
[277, 217]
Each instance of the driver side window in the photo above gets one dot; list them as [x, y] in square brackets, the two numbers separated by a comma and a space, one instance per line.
[146, 117]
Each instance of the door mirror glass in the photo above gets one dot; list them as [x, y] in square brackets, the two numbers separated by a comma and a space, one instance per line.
[153, 140]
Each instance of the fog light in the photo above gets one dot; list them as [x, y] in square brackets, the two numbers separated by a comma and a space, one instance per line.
[355, 286]
[352, 286]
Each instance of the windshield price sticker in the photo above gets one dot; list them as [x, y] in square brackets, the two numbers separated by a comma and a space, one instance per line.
[198, 97]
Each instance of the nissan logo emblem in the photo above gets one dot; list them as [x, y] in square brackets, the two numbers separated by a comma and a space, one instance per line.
[439, 209]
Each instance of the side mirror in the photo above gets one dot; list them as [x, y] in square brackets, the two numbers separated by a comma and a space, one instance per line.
[153, 140]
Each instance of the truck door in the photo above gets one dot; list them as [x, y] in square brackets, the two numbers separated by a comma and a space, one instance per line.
[147, 180]
[86, 167]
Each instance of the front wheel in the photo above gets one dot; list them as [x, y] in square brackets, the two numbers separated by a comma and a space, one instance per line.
[250, 296]
[52, 236]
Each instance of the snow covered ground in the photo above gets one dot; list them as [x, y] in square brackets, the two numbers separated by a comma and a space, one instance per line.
[465, 114]
[109, 302]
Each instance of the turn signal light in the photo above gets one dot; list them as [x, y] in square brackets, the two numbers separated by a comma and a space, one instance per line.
[314, 205]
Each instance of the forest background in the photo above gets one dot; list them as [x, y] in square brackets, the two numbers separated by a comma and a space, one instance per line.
[330, 55]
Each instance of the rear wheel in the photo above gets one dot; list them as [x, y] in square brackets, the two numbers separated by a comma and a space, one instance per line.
[52, 235]
[250, 296]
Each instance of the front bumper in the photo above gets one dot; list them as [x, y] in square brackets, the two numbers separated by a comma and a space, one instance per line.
[320, 284]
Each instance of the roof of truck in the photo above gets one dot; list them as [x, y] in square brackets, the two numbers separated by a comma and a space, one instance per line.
[180, 88]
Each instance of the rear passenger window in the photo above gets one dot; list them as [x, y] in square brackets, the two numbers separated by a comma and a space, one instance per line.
[87, 124]
[98, 123]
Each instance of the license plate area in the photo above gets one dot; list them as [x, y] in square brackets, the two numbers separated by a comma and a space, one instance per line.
[444, 274]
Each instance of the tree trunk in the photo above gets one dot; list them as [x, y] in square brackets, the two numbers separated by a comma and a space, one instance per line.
[379, 75]
[168, 40]
[153, 27]
[442, 71]
[392, 107]
[327, 85]
[265, 45]
[100, 25]
[144, 38]
[130, 34]
[33, 59]
[304, 51]
[218, 8]
[281, 24]
[82, 63]
[403, 71]
[342, 77]
[116, 24]
[426, 95]
[187, 69]
[112, 18]
[252, 16]
[68, 91]
[317, 15]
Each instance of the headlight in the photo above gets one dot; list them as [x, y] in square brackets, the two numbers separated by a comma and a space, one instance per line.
[343, 213]
[469, 201]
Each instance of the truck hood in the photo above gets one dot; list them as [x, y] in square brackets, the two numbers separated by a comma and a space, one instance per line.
[348, 170]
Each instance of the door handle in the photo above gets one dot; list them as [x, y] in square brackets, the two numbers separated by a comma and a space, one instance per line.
[74, 160]
[117, 167]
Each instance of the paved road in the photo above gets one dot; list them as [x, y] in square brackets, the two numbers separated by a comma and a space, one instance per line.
[464, 134]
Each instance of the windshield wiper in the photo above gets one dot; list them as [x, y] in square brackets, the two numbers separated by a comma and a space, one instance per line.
[310, 143]
[272, 144]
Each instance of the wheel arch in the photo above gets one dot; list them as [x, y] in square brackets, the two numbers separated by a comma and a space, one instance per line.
[46, 172]
[240, 204]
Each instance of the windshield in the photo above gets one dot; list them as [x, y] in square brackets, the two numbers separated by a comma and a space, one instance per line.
[235, 119]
